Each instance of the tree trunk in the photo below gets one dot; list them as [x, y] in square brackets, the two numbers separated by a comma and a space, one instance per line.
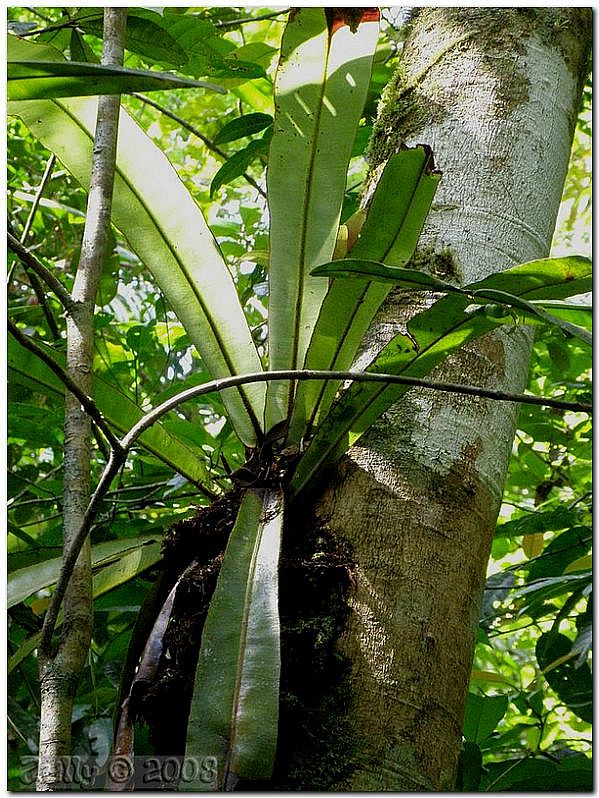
[495, 93]
[61, 671]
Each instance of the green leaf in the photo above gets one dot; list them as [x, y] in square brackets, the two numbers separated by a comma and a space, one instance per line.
[469, 767]
[533, 313]
[531, 597]
[391, 231]
[548, 278]
[577, 314]
[413, 280]
[572, 682]
[126, 567]
[117, 408]
[571, 544]
[245, 125]
[432, 336]
[483, 713]
[26, 581]
[18, 49]
[234, 708]
[573, 773]
[167, 230]
[532, 523]
[584, 638]
[237, 164]
[208, 53]
[320, 91]
[410, 279]
[32, 80]
[80, 50]
[144, 36]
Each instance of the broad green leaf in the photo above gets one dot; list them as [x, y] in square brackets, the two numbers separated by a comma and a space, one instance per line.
[532, 598]
[167, 230]
[48, 203]
[234, 708]
[548, 278]
[432, 335]
[122, 570]
[489, 677]
[572, 682]
[257, 94]
[533, 523]
[581, 564]
[24, 650]
[413, 280]
[18, 49]
[237, 164]
[533, 313]
[118, 409]
[125, 567]
[570, 545]
[571, 330]
[207, 52]
[391, 231]
[320, 90]
[245, 125]
[257, 52]
[483, 713]
[581, 315]
[469, 767]
[33, 80]
[552, 586]
[532, 545]
[572, 773]
[80, 50]
[26, 581]
[145, 36]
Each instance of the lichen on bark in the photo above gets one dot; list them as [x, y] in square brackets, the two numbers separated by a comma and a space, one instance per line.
[405, 110]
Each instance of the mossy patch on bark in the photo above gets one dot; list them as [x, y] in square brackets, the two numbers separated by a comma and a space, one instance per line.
[440, 264]
[413, 101]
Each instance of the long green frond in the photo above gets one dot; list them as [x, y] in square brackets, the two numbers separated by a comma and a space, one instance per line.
[320, 91]
[235, 703]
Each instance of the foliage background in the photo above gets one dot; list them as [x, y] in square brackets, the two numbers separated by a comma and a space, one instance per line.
[528, 718]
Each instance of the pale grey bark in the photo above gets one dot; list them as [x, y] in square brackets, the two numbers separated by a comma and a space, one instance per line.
[495, 93]
[60, 670]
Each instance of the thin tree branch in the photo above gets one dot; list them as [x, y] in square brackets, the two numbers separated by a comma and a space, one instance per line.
[38, 290]
[232, 23]
[80, 319]
[357, 376]
[35, 283]
[31, 261]
[70, 23]
[38, 196]
[117, 457]
[37, 13]
[33, 277]
[208, 142]
[580, 499]
[86, 401]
